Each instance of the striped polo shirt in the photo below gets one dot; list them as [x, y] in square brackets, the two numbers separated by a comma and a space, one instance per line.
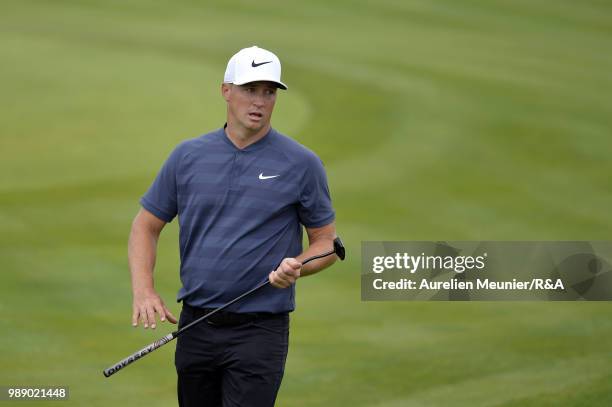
[240, 213]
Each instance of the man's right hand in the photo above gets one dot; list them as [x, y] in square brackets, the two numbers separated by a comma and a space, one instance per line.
[146, 305]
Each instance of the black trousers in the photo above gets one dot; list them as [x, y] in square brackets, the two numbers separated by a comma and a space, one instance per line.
[240, 363]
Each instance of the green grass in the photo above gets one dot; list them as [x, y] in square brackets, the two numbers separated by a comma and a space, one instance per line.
[448, 120]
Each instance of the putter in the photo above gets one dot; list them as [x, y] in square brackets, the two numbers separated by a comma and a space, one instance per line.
[338, 250]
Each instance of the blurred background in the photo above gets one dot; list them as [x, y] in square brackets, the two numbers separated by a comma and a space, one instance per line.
[444, 120]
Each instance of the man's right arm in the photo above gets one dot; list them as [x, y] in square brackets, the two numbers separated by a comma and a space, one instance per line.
[142, 252]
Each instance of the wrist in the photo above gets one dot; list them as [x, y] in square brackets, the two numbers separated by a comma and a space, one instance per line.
[143, 291]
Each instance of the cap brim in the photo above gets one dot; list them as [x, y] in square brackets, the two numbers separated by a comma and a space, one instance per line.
[277, 83]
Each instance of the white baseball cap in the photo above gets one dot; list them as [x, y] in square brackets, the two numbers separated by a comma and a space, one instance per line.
[253, 64]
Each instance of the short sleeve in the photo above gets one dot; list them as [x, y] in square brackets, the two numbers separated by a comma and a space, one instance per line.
[161, 198]
[315, 206]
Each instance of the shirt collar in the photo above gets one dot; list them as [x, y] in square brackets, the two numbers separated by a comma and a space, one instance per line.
[262, 142]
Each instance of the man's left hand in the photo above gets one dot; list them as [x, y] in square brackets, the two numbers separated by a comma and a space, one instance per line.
[286, 273]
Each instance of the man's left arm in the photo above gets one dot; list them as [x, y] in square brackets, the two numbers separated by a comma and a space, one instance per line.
[320, 240]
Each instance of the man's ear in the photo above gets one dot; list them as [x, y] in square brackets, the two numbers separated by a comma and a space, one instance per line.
[226, 90]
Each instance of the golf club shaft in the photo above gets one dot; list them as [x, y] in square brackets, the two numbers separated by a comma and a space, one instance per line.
[168, 338]
[246, 294]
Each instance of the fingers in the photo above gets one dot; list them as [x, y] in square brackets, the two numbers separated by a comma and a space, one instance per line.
[147, 308]
[150, 317]
[143, 317]
[160, 311]
[294, 264]
[286, 274]
[135, 315]
[164, 313]
[169, 315]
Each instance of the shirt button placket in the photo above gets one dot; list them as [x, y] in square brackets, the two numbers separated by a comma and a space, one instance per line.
[235, 173]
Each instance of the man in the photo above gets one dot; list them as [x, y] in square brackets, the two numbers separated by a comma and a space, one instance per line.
[242, 194]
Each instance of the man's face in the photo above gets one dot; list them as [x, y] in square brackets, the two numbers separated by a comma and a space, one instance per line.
[250, 105]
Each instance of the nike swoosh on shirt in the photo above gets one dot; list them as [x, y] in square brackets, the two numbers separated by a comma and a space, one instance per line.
[261, 176]
[255, 65]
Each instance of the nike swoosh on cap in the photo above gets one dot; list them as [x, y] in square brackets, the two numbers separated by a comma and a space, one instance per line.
[255, 65]
[261, 176]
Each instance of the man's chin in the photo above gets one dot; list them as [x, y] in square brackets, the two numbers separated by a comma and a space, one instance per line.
[255, 125]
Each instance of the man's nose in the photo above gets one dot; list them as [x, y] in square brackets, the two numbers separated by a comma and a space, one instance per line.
[258, 100]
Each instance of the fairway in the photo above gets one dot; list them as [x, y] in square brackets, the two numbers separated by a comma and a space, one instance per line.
[447, 120]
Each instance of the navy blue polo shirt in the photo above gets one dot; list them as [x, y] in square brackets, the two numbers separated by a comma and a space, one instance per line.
[240, 213]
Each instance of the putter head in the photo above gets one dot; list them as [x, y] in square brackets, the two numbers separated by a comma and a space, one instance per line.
[339, 248]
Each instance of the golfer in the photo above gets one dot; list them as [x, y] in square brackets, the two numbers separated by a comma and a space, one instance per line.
[242, 194]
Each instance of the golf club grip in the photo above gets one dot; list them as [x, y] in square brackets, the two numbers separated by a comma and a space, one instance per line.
[139, 354]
